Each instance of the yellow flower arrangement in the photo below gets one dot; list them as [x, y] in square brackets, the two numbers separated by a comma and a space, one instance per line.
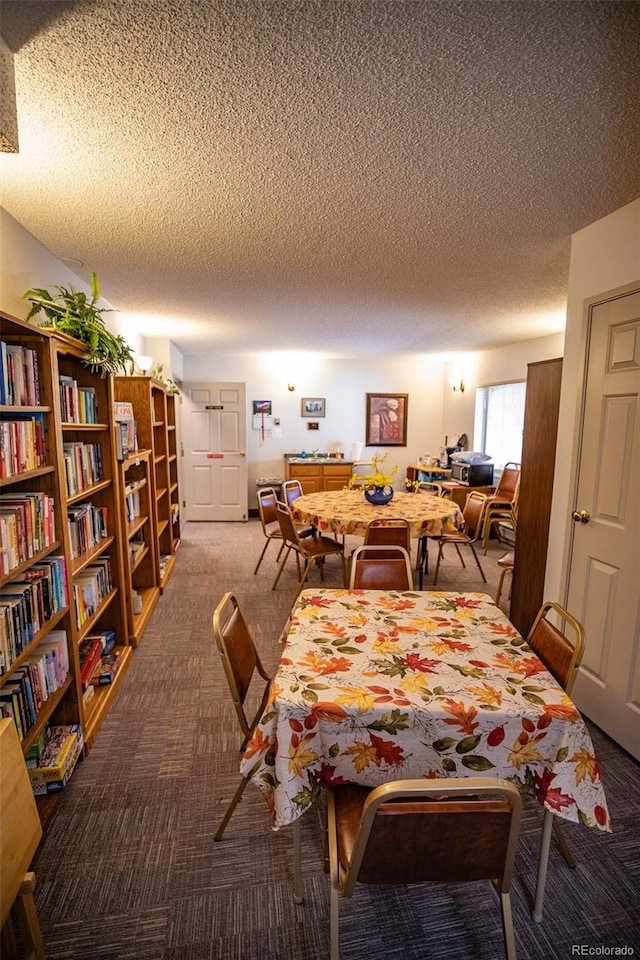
[378, 477]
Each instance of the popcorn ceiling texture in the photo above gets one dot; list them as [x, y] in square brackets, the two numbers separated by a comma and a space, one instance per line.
[359, 177]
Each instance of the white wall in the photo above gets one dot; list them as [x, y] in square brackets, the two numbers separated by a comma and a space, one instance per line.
[604, 257]
[27, 263]
[344, 385]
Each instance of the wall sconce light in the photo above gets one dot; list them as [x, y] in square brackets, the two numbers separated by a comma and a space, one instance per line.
[144, 363]
[290, 387]
[457, 385]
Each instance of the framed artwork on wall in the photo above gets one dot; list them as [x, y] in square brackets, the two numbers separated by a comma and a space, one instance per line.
[313, 407]
[387, 419]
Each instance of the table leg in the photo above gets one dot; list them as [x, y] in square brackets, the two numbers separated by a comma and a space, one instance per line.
[545, 844]
[297, 862]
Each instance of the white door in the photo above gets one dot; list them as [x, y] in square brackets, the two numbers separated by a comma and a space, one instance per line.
[604, 584]
[214, 431]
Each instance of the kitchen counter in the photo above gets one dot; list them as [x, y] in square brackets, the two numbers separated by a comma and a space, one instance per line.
[317, 474]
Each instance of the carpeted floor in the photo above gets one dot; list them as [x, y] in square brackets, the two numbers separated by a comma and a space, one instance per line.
[128, 869]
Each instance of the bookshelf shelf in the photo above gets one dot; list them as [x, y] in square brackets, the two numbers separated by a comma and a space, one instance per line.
[34, 505]
[154, 412]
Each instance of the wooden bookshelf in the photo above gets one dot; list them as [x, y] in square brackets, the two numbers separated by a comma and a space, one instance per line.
[174, 467]
[155, 424]
[142, 585]
[76, 471]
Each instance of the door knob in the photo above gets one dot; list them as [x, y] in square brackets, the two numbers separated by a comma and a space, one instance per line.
[581, 516]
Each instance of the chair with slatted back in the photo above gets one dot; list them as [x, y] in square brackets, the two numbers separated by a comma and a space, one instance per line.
[312, 550]
[421, 831]
[473, 514]
[267, 499]
[561, 655]
[380, 567]
[241, 662]
[20, 833]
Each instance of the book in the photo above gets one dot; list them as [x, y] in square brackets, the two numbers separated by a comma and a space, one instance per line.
[107, 669]
[58, 760]
[90, 655]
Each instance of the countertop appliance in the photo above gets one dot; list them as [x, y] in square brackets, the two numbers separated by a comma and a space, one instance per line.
[473, 474]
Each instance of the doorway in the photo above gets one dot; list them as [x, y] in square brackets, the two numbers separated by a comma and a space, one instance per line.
[604, 585]
[214, 430]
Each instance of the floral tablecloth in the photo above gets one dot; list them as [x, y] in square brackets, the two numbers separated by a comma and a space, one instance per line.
[376, 685]
[347, 511]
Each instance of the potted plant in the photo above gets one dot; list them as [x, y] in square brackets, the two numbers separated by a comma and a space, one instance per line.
[377, 485]
[74, 313]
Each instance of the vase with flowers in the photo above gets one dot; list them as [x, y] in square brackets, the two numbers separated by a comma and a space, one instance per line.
[377, 485]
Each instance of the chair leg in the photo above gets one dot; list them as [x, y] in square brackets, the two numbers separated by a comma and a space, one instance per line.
[507, 926]
[264, 550]
[475, 557]
[281, 568]
[500, 582]
[562, 843]
[26, 916]
[234, 803]
[435, 576]
[335, 921]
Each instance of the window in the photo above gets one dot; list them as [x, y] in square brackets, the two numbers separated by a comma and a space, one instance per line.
[499, 421]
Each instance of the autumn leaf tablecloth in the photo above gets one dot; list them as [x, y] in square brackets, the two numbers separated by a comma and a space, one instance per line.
[375, 686]
[347, 512]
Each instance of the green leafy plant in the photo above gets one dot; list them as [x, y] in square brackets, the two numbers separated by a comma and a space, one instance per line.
[74, 313]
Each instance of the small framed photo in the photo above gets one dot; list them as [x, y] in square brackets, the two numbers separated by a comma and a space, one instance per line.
[387, 419]
[313, 407]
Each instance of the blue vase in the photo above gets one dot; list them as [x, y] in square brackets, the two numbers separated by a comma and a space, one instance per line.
[379, 496]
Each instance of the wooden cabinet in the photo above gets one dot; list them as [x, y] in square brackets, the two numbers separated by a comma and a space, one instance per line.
[318, 477]
[142, 584]
[536, 490]
[60, 462]
[174, 452]
[154, 429]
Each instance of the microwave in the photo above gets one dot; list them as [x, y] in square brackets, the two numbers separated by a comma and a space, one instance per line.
[473, 474]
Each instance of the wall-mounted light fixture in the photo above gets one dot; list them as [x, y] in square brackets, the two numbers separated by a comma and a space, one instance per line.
[457, 385]
[290, 387]
[144, 363]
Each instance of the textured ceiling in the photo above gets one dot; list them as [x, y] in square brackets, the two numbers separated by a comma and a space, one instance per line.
[357, 177]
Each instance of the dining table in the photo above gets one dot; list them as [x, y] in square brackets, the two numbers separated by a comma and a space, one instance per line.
[377, 685]
[345, 512]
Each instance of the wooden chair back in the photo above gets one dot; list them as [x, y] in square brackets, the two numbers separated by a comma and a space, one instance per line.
[267, 500]
[473, 514]
[560, 653]
[395, 533]
[380, 567]
[291, 490]
[240, 659]
[509, 482]
[416, 831]
[20, 834]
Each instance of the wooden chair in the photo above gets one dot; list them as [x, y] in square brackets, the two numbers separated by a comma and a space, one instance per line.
[429, 488]
[473, 514]
[268, 514]
[561, 656]
[418, 831]
[502, 506]
[380, 568]
[506, 564]
[240, 661]
[396, 533]
[312, 550]
[291, 490]
[20, 833]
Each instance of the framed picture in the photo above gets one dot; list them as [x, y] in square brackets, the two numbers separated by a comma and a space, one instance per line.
[387, 419]
[313, 407]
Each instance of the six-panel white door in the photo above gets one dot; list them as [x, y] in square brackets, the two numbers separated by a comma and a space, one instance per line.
[214, 431]
[604, 584]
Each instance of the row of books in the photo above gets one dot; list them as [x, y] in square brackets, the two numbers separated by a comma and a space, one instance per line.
[52, 765]
[78, 404]
[126, 429]
[83, 466]
[26, 604]
[34, 681]
[19, 378]
[132, 500]
[90, 588]
[22, 444]
[92, 650]
[87, 527]
[27, 526]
